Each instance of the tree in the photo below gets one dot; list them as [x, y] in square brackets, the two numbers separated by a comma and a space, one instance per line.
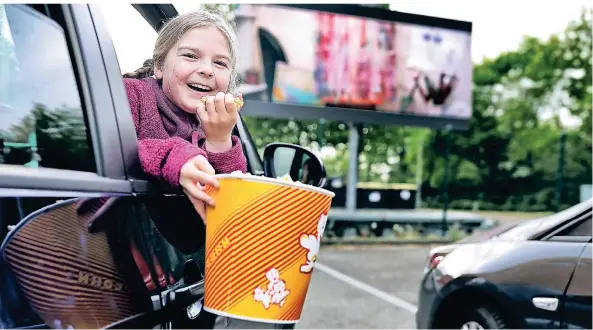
[61, 135]
[508, 157]
[513, 138]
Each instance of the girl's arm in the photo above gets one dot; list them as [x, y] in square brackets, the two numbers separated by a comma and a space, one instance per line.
[161, 156]
[227, 161]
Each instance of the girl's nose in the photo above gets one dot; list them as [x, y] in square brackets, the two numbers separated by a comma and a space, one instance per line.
[205, 70]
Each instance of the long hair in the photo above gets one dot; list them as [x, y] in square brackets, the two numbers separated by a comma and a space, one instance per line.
[174, 29]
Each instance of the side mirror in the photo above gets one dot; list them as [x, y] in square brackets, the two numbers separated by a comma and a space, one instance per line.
[299, 163]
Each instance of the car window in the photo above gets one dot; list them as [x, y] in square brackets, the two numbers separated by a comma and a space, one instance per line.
[42, 122]
[133, 37]
[521, 231]
[581, 229]
[535, 227]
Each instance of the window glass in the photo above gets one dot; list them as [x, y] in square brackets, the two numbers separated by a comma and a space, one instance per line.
[42, 121]
[133, 38]
[581, 229]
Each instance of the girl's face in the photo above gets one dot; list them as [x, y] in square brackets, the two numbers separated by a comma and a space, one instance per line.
[198, 65]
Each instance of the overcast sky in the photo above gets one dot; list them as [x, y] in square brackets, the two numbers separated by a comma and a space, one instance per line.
[497, 25]
[500, 25]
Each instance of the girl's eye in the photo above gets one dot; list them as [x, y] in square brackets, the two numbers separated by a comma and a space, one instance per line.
[189, 55]
[223, 64]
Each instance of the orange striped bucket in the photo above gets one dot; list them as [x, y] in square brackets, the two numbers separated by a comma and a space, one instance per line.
[262, 241]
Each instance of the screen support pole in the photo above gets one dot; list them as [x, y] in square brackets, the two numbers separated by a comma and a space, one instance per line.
[445, 190]
[353, 142]
[419, 168]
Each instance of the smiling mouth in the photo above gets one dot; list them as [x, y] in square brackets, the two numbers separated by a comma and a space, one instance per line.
[199, 88]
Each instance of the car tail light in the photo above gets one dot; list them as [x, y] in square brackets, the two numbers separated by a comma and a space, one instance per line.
[435, 258]
[434, 261]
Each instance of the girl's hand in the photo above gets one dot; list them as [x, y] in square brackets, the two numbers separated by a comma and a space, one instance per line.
[218, 117]
[194, 173]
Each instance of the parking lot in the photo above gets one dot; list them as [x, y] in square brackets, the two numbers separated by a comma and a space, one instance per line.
[364, 287]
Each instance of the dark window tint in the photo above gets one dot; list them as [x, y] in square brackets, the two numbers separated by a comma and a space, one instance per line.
[581, 229]
[15, 310]
[42, 121]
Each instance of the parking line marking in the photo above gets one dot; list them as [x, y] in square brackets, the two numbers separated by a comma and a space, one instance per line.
[394, 300]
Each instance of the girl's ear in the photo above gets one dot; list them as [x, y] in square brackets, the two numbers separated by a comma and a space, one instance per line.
[158, 73]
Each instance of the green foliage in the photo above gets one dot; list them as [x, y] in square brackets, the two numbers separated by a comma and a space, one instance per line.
[225, 10]
[61, 135]
[508, 158]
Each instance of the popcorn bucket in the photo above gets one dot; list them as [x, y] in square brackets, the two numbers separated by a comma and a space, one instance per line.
[262, 240]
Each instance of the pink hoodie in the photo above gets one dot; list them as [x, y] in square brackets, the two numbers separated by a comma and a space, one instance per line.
[168, 136]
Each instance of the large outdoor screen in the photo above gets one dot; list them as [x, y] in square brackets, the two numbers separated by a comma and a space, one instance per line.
[347, 61]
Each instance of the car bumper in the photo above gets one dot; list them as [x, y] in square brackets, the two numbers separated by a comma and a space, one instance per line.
[428, 298]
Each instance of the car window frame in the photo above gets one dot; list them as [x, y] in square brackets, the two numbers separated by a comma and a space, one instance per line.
[556, 237]
[547, 225]
[126, 127]
[96, 98]
[255, 163]
[122, 113]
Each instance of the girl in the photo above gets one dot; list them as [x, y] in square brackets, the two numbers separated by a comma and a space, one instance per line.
[182, 139]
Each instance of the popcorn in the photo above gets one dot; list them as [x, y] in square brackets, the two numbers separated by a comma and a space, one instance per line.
[285, 177]
[238, 101]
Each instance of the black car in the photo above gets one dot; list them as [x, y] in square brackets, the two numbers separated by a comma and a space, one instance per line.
[87, 241]
[535, 274]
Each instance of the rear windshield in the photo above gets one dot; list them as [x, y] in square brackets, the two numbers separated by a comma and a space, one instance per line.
[522, 231]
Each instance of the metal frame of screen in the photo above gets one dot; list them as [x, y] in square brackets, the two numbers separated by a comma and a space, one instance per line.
[311, 112]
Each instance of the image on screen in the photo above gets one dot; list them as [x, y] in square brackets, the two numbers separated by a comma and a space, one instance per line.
[355, 62]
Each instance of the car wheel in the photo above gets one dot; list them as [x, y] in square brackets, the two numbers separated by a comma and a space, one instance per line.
[480, 318]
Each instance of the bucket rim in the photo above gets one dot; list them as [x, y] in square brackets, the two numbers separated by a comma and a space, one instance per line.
[248, 318]
[298, 185]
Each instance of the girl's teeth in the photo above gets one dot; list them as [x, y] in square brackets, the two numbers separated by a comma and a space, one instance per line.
[200, 86]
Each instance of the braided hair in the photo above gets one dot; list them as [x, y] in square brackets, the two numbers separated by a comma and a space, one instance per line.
[146, 70]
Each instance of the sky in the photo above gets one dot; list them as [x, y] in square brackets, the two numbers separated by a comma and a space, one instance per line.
[498, 26]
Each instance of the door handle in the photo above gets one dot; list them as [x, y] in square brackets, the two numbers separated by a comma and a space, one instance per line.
[545, 303]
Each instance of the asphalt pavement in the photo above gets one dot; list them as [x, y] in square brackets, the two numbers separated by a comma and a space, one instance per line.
[364, 287]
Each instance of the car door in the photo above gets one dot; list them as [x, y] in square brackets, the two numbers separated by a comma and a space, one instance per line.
[87, 240]
[576, 311]
[60, 160]
[164, 234]
[574, 307]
